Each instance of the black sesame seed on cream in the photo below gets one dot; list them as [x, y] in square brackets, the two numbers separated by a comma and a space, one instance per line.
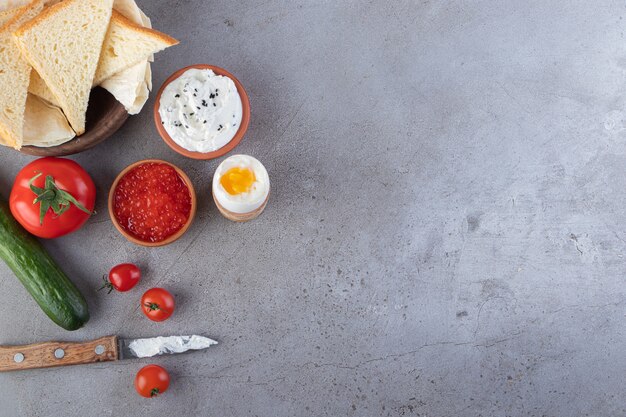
[211, 98]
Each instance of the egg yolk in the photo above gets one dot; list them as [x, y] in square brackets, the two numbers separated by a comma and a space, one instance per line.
[238, 180]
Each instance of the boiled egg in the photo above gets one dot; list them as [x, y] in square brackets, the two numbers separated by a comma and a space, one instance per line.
[241, 184]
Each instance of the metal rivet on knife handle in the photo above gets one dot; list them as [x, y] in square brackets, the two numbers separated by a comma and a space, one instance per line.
[100, 350]
[18, 358]
[59, 353]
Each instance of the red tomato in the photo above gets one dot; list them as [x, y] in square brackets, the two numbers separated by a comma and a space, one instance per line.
[52, 197]
[122, 277]
[157, 304]
[151, 381]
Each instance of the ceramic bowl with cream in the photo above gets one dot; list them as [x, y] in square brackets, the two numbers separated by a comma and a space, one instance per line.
[202, 112]
[241, 188]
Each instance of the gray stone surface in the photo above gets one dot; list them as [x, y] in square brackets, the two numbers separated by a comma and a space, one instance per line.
[445, 235]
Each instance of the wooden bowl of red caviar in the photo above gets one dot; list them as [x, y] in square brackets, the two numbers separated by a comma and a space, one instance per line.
[152, 203]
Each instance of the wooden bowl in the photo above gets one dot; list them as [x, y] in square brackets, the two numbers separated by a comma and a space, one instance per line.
[105, 115]
[174, 237]
[243, 126]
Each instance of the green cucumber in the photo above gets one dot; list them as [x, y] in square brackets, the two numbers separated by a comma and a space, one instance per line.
[57, 296]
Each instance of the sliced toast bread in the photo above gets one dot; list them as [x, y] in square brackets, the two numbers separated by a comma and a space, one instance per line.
[128, 44]
[7, 15]
[132, 86]
[14, 78]
[63, 45]
[39, 88]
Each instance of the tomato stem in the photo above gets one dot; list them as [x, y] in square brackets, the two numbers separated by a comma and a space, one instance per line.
[152, 306]
[51, 197]
[107, 284]
[47, 195]
[154, 392]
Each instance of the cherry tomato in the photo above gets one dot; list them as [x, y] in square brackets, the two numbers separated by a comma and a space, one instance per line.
[152, 380]
[52, 197]
[122, 277]
[157, 304]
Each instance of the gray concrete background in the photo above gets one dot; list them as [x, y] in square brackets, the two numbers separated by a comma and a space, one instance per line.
[445, 235]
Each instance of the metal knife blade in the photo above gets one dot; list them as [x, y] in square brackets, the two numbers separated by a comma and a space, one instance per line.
[145, 348]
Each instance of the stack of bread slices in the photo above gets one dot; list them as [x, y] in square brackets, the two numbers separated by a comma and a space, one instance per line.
[52, 53]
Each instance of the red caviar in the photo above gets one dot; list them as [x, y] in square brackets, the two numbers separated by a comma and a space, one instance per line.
[152, 202]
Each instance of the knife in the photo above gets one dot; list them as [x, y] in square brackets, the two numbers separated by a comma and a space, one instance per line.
[105, 349]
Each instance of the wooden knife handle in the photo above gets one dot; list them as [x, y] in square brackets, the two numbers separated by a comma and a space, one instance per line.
[49, 354]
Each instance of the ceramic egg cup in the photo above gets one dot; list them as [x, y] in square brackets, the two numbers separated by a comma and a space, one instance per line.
[241, 217]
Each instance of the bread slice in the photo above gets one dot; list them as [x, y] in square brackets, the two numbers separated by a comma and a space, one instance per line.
[39, 88]
[11, 5]
[7, 15]
[128, 44]
[14, 78]
[63, 45]
[132, 86]
[14, 18]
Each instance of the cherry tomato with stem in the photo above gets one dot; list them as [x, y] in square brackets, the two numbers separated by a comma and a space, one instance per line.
[157, 304]
[151, 381]
[122, 277]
